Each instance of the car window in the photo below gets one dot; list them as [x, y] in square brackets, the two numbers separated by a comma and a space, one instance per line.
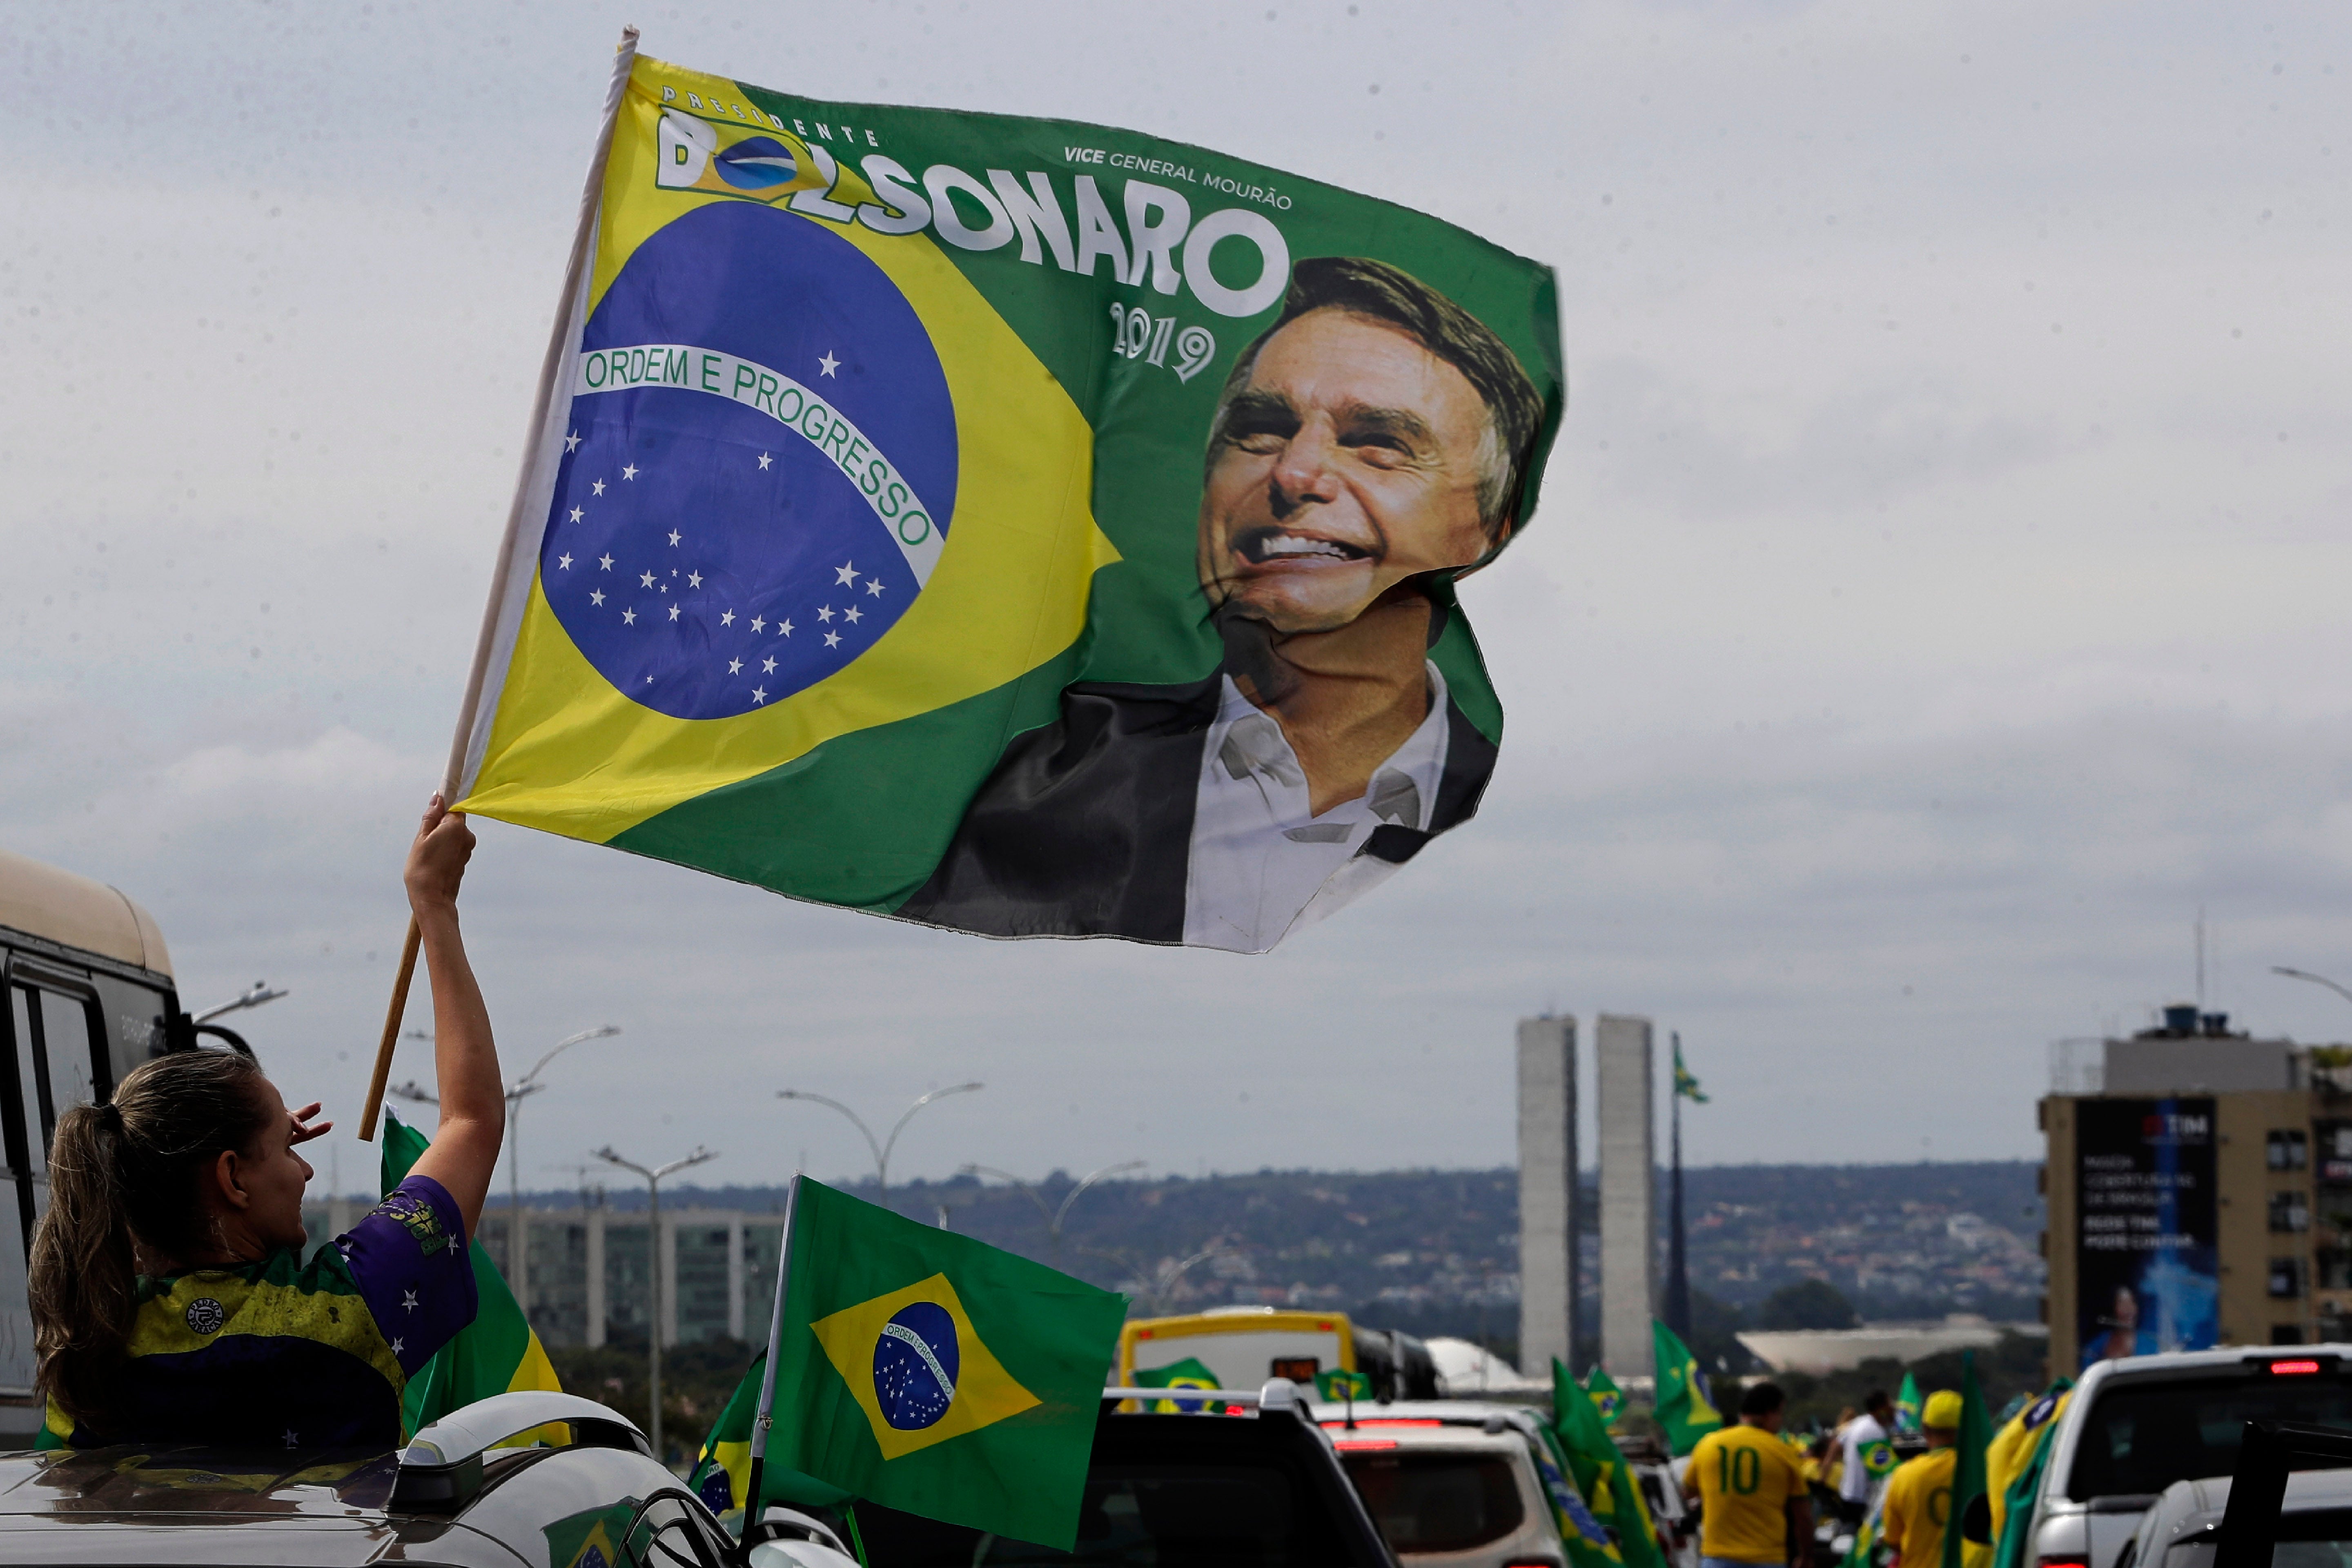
[1148, 1517]
[1438, 1501]
[2143, 1437]
[664, 1537]
[2307, 1537]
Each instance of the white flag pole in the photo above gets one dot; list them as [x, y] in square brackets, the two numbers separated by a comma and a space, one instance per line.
[765, 1417]
[529, 499]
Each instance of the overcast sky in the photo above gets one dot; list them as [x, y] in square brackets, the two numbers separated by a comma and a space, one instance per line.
[1938, 596]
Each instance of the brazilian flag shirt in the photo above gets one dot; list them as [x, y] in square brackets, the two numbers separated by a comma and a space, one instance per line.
[285, 1355]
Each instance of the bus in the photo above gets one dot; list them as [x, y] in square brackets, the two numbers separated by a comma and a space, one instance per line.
[90, 996]
[1243, 1346]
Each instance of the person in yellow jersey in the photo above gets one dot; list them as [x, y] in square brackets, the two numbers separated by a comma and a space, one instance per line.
[1754, 1504]
[1918, 1503]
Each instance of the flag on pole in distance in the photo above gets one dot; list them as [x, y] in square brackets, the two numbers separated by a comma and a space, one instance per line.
[863, 551]
[497, 1352]
[2014, 1467]
[1968, 1491]
[1907, 1406]
[935, 1373]
[1683, 1408]
[1602, 1390]
[1686, 1082]
[1610, 1489]
[1336, 1384]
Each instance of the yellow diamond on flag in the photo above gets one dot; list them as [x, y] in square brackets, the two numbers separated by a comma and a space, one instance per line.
[916, 1368]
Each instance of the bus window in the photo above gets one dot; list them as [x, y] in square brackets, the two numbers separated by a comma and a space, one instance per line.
[68, 1054]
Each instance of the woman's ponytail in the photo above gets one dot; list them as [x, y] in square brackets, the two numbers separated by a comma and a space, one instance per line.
[83, 1280]
[119, 1172]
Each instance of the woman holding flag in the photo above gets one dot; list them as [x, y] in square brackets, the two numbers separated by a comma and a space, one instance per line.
[191, 1169]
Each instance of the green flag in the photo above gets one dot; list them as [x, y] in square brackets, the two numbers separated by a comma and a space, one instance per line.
[1189, 1372]
[2014, 1468]
[1685, 1084]
[722, 1469]
[1907, 1406]
[1968, 1469]
[936, 1375]
[1606, 1396]
[1684, 1408]
[1336, 1384]
[1608, 1485]
[496, 1353]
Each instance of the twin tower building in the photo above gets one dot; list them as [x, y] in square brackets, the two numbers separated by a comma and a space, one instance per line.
[1551, 1198]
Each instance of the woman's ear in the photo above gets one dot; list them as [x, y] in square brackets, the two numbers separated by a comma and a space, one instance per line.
[225, 1176]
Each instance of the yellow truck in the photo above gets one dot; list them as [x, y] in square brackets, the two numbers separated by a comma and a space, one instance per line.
[1241, 1347]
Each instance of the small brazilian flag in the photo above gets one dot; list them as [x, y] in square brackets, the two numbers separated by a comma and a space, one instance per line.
[936, 1375]
[1606, 1396]
[1189, 1372]
[1684, 1409]
[1907, 1406]
[1338, 1385]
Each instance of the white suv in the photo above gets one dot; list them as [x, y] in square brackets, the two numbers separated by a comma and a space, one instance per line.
[2138, 1423]
[1453, 1483]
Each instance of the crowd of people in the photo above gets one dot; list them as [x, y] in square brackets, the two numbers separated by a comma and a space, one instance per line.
[1756, 1488]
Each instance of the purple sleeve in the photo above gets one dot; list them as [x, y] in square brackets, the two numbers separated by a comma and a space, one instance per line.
[408, 1258]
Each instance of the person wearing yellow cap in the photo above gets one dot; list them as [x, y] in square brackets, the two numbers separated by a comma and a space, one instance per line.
[1754, 1505]
[1918, 1503]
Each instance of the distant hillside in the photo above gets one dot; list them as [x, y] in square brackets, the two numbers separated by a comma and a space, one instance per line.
[1437, 1251]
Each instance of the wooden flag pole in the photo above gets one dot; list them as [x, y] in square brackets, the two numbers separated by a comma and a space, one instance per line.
[392, 1018]
[511, 574]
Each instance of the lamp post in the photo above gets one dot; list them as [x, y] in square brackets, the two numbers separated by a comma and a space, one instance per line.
[881, 1149]
[653, 1176]
[517, 1249]
[1054, 1217]
[2315, 979]
[255, 997]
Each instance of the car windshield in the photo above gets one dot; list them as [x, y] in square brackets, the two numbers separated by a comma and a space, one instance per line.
[1436, 1501]
[1152, 1516]
[2142, 1437]
[2310, 1538]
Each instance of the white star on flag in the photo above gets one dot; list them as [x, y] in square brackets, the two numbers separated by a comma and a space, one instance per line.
[293, 1440]
[397, 1346]
[874, 587]
[828, 364]
[597, 488]
[757, 622]
[629, 472]
[726, 618]
[606, 561]
[851, 615]
[575, 514]
[824, 611]
[595, 595]
[673, 612]
[759, 694]
[694, 579]
[408, 1299]
[673, 539]
[763, 462]
[647, 578]
[571, 442]
[783, 628]
[564, 562]
[768, 667]
[846, 572]
[832, 639]
[629, 618]
[734, 666]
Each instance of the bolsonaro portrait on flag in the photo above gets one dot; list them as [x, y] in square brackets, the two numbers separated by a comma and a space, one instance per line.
[1372, 441]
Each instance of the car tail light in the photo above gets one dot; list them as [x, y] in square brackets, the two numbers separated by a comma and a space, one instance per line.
[2065, 1563]
[2293, 1368]
[1352, 1445]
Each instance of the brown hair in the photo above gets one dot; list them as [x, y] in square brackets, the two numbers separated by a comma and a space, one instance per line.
[1380, 292]
[118, 1172]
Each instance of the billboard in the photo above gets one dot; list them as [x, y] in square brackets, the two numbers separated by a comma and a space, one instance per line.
[2145, 1258]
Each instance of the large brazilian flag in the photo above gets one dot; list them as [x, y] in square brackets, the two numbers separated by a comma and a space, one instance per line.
[862, 550]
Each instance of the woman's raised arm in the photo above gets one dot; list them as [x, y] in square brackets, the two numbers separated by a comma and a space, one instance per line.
[465, 1152]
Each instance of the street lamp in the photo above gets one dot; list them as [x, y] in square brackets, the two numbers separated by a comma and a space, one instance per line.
[2315, 979]
[255, 997]
[1054, 1217]
[653, 1271]
[1155, 1290]
[518, 1250]
[881, 1150]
